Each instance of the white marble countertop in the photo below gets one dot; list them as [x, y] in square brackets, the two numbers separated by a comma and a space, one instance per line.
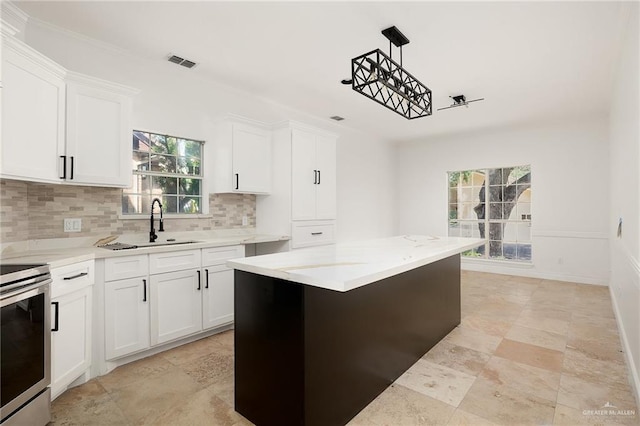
[64, 251]
[345, 266]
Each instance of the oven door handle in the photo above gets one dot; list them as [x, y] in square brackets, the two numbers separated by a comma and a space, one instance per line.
[56, 316]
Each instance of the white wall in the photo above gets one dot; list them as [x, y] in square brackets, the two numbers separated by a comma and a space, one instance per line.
[625, 195]
[569, 163]
[175, 100]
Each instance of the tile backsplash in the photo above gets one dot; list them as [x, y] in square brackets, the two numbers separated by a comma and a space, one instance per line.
[36, 211]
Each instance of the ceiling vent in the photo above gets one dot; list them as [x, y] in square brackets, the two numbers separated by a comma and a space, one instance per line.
[181, 61]
[337, 118]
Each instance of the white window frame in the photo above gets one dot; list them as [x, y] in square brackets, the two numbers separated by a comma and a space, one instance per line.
[488, 220]
[204, 193]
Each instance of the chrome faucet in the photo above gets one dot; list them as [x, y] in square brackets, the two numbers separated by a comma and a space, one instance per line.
[152, 232]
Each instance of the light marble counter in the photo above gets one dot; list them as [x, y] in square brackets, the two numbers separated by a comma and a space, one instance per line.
[64, 251]
[345, 266]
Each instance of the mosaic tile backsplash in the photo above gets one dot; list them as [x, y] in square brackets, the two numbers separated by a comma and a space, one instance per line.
[36, 211]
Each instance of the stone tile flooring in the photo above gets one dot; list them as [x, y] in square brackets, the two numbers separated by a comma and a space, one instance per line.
[528, 352]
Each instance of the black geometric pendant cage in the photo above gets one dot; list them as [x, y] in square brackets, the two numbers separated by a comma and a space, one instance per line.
[378, 77]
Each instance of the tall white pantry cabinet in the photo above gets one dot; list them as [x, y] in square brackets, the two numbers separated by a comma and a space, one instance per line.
[303, 196]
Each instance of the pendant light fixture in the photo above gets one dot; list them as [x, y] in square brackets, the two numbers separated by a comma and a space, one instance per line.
[380, 78]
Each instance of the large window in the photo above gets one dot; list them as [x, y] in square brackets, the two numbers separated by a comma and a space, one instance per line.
[168, 168]
[494, 204]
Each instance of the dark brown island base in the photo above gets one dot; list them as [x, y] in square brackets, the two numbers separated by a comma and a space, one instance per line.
[306, 355]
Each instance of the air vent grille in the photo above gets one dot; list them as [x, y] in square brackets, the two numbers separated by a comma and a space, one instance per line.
[181, 61]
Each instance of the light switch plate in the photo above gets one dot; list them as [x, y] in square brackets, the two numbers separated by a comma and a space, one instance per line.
[72, 225]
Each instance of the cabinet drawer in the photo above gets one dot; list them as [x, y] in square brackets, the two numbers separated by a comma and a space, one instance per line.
[120, 268]
[312, 233]
[219, 255]
[69, 278]
[174, 261]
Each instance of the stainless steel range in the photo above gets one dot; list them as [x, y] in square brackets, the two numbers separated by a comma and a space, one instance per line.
[25, 344]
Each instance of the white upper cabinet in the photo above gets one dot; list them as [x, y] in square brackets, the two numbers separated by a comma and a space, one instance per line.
[241, 157]
[59, 126]
[33, 97]
[99, 132]
[313, 177]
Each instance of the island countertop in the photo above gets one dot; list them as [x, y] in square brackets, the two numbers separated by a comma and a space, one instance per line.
[346, 266]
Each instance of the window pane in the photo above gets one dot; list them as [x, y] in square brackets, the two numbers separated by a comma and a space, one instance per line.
[158, 143]
[524, 251]
[509, 250]
[172, 146]
[170, 204]
[190, 205]
[140, 161]
[454, 179]
[495, 249]
[139, 185]
[187, 148]
[453, 211]
[454, 229]
[495, 193]
[188, 166]
[140, 141]
[495, 231]
[163, 163]
[495, 210]
[135, 204]
[164, 185]
[190, 186]
[524, 232]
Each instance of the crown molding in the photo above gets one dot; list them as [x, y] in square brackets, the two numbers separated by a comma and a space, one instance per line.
[13, 19]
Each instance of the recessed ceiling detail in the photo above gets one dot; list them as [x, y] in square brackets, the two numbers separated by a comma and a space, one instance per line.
[181, 61]
[336, 118]
[380, 78]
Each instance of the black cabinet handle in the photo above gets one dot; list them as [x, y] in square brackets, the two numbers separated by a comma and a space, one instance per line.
[81, 274]
[56, 316]
[237, 181]
[315, 177]
[199, 286]
[318, 175]
[144, 290]
[71, 168]
[206, 278]
[64, 167]
[316, 233]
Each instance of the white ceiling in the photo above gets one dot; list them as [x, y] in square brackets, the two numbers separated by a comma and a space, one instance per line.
[532, 61]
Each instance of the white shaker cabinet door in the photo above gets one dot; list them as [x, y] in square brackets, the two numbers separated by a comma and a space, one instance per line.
[70, 338]
[126, 316]
[99, 136]
[33, 100]
[304, 175]
[217, 296]
[251, 159]
[326, 187]
[176, 305]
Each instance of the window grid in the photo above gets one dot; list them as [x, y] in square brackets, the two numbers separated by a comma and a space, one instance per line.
[165, 167]
[499, 212]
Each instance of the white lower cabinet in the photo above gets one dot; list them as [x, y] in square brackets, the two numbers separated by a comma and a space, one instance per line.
[146, 305]
[70, 324]
[126, 316]
[217, 297]
[176, 307]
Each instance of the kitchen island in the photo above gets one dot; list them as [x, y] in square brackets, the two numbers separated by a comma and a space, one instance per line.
[320, 332]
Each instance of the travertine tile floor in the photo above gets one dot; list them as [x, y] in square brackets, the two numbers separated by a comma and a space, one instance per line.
[528, 352]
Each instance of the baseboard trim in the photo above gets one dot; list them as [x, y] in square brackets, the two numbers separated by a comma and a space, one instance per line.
[531, 273]
[633, 368]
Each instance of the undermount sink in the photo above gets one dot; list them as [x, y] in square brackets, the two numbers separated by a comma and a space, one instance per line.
[126, 246]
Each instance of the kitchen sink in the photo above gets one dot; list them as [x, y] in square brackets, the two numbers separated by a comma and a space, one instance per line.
[125, 246]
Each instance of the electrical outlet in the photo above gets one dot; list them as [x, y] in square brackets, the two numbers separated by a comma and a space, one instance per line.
[73, 225]
[245, 220]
